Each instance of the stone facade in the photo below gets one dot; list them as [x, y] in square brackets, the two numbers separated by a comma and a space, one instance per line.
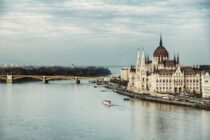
[206, 85]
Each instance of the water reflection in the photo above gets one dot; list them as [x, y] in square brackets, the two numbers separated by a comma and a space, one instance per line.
[162, 121]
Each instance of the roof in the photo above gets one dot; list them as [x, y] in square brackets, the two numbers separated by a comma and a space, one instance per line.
[169, 63]
[190, 71]
[148, 62]
[165, 72]
[205, 67]
[160, 52]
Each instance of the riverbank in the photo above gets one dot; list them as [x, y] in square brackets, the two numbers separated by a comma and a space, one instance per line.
[196, 103]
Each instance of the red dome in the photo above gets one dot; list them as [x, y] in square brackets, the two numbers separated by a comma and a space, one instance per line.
[160, 52]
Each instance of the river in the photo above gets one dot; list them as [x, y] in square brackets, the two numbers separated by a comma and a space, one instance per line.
[63, 110]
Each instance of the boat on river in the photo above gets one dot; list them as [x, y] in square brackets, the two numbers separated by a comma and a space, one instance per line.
[107, 102]
[126, 99]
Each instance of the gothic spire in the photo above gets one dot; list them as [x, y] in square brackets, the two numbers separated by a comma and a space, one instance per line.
[177, 58]
[143, 57]
[174, 58]
[161, 42]
[138, 58]
[147, 57]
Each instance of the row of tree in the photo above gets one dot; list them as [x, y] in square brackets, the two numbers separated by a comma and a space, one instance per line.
[56, 70]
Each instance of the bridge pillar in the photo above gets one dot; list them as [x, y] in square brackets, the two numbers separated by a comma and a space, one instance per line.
[44, 80]
[9, 79]
[77, 80]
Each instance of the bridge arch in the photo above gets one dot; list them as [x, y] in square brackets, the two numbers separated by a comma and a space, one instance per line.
[16, 77]
[59, 78]
[45, 79]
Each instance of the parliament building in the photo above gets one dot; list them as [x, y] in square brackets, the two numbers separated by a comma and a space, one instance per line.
[162, 74]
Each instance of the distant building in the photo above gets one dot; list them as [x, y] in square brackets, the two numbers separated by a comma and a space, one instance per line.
[206, 84]
[162, 74]
[125, 73]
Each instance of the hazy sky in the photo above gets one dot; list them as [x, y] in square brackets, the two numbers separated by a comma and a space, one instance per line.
[102, 32]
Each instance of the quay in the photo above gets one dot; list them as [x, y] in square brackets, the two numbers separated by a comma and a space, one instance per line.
[201, 104]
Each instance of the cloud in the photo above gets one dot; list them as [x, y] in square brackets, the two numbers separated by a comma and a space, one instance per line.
[92, 17]
[120, 9]
[35, 24]
[99, 23]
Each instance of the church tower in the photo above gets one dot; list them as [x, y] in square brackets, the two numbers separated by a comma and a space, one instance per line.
[137, 74]
[138, 61]
[143, 72]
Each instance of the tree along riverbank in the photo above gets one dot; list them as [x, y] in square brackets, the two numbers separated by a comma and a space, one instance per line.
[89, 71]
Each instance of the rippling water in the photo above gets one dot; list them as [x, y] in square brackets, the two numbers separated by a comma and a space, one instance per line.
[62, 110]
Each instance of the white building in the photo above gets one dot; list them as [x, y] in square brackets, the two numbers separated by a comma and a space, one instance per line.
[206, 85]
[125, 73]
[162, 74]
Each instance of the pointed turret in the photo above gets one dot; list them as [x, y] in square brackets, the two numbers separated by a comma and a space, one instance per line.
[138, 58]
[143, 57]
[177, 58]
[174, 58]
[161, 42]
[147, 58]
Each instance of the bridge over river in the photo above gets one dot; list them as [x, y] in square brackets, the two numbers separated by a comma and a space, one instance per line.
[46, 78]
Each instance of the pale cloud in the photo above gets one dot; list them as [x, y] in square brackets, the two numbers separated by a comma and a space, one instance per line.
[74, 17]
[35, 24]
[92, 24]
[100, 6]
